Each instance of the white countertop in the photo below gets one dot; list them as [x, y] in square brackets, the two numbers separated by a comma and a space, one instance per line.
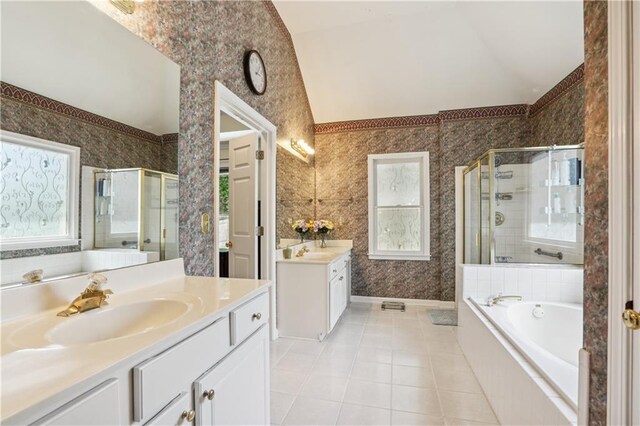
[316, 255]
[31, 375]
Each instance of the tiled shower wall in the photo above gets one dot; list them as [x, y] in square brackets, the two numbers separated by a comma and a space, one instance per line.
[341, 185]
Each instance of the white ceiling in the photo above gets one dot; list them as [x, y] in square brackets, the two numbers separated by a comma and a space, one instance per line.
[74, 53]
[368, 59]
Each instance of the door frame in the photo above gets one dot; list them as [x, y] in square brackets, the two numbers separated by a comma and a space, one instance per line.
[624, 234]
[227, 101]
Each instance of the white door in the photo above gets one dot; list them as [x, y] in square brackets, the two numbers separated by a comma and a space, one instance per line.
[243, 211]
[236, 391]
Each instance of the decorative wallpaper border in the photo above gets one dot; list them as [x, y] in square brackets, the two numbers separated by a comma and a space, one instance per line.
[575, 77]
[423, 120]
[484, 112]
[169, 138]
[31, 98]
[378, 123]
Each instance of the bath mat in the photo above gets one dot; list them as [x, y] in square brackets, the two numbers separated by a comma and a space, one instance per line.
[444, 316]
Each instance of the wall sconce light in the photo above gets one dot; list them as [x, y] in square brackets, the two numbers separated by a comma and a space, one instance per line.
[126, 6]
[301, 147]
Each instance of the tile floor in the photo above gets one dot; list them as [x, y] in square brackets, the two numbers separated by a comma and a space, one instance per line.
[376, 368]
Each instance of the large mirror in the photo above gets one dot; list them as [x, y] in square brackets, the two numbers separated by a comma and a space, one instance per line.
[88, 147]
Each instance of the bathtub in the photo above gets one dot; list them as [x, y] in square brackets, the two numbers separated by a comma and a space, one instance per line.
[547, 334]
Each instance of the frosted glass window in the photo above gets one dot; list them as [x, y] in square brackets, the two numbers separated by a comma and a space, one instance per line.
[38, 192]
[398, 184]
[399, 206]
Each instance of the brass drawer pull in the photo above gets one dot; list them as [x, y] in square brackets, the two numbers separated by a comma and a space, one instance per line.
[189, 415]
[257, 316]
[210, 394]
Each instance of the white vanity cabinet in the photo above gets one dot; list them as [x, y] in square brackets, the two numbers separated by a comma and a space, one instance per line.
[225, 366]
[312, 296]
[234, 392]
[99, 406]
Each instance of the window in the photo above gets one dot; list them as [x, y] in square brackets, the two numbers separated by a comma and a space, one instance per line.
[399, 206]
[39, 183]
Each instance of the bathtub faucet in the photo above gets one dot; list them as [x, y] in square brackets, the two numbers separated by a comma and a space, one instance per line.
[499, 298]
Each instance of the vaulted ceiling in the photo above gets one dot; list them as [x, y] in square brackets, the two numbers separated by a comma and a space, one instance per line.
[368, 59]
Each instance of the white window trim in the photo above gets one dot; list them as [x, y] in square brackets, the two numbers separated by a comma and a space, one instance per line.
[425, 230]
[71, 237]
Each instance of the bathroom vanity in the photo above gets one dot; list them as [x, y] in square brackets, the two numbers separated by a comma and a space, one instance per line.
[314, 289]
[167, 349]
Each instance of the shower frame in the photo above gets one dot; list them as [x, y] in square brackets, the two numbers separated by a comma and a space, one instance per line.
[164, 176]
[477, 164]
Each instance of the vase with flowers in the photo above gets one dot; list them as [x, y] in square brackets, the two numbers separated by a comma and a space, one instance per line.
[302, 227]
[322, 228]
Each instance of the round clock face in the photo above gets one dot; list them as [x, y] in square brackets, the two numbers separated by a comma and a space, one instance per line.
[255, 72]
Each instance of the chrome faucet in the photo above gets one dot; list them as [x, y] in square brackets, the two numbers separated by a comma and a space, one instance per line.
[499, 298]
[92, 297]
[302, 251]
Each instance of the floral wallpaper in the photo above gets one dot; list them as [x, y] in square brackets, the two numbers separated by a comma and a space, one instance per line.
[208, 40]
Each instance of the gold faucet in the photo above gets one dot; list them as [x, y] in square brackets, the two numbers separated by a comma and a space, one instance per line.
[302, 251]
[92, 297]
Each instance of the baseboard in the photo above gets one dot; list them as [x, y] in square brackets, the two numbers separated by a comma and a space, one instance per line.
[414, 302]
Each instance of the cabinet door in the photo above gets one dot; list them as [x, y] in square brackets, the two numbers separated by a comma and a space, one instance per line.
[99, 406]
[236, 391]
[177, 412]
[334, 301]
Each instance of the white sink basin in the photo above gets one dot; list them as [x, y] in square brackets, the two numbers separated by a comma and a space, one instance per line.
[100, 324]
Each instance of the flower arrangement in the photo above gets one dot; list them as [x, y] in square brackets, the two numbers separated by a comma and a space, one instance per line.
[322, 227]
[302, 227]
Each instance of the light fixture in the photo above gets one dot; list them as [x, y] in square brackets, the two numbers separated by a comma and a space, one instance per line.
[301, 147]
[126, 6]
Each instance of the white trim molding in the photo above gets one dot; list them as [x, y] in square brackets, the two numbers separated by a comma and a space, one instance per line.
[72, 194]
[408, 302]
[621, 210]
[227, 101]
[422, 159]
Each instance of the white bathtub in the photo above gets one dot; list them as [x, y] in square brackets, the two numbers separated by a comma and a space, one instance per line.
[549, 342]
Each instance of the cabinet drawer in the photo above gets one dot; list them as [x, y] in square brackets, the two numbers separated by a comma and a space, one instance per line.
[99, 406]
[176, 413]
[249, 317]
[160, 379]
[337, 266]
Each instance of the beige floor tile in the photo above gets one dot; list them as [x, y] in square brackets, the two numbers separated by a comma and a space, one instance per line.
[333, 367]
[379, 330]
[351, 414]
[371, 371]
[413, 376]
[461, 380]
[311, 411]
[459, 422]
[325, 387]
[296, 362]
[368, 393]
[375, 340]
[286, 381]
[381, 355]
[411, 359]
[449, 362]
[280, 404]
[401, 418]
[445, 348]
[466, 406]
[308, 347]
[415, 400]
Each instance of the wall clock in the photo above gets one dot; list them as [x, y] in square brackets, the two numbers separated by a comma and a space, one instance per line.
[255, 72]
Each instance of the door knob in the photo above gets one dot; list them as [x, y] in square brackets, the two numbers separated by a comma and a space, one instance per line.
[209, 394]
[189, 415]
[257, 316]
[228, 244]
[631, 319]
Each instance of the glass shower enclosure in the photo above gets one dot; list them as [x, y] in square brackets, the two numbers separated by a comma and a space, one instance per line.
[137, 209]
[525, 205]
